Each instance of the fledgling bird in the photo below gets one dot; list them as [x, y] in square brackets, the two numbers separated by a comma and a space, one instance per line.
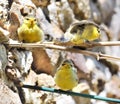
[29, 32]
[82, 31]
[66, 76]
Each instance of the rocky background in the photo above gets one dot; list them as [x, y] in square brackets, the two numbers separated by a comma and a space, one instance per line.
[37, 66]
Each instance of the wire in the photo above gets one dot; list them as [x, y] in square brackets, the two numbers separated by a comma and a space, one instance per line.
[71, 93]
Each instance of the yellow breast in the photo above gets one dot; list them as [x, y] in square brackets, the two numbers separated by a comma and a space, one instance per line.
[66, 79]
[29, 32]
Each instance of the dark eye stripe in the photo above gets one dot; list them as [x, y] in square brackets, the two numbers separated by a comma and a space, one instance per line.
[98, 30]
[63, 64]
[27, 18]
[34, 19]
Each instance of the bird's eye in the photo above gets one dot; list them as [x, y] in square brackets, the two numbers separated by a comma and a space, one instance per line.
[71, 65]
[63, 64]
[27, 18]
[35, 20]
[98, 30]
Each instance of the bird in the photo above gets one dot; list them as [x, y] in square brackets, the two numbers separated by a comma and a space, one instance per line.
[82, 31]
[66, 75]
[29, 32]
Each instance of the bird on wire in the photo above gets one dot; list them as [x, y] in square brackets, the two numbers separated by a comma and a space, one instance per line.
[66, 76]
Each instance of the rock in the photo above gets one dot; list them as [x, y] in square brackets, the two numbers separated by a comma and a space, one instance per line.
[54, 56]
[3, 61]
[3, 10]
[45, 80]
[112, 65]
[114, 25]
[3, 57]
[18, 67]
[50, 29]
[41, 61]
[59, 13]
[4, 35]
[6, 75]
[31, 78]
[99, 74]
[22, 60]
[101, 102]
[107, 9]
[15, 20]
[41, 3]
[81, 8]
[82, 88]
[25, 3]
[63, 99]
[28, 94]
[95, 12]
[115, 30]
[7, 96]
[112, 87]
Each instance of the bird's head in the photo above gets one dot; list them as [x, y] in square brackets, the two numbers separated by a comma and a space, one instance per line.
[67, 63]
[30, 21]
[92, 29]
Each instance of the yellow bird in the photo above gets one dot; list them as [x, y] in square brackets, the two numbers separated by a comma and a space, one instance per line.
[77, 38]
[66, 76]
[29, 32]
[82, 31]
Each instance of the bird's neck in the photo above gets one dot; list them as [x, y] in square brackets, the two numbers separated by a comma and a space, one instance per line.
[30, 25]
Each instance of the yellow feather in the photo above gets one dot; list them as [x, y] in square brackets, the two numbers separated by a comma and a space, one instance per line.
[81, 31]
[66, 76]
[29, 32]
[90, 33]
[77, 38]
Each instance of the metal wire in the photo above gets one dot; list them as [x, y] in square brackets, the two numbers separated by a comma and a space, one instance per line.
[71, 93]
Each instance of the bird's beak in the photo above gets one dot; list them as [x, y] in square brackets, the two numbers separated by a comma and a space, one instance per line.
[32, 22]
